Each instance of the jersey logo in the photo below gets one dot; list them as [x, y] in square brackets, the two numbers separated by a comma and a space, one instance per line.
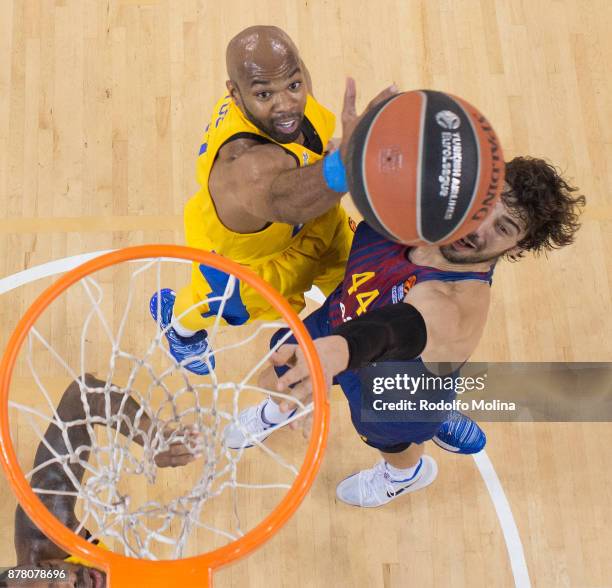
[305, 158]
[343, 312]
[411, 281]
[397, 492]
[398, 293]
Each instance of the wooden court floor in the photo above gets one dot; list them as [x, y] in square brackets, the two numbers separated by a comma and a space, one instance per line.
[102, 108]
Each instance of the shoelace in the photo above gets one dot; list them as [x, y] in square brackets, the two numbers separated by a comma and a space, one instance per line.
[368, 482]
[183, 341]
[462, 428]
[253, 416]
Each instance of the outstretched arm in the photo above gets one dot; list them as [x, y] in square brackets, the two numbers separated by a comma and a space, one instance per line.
[253, 184]
[440, 328]
[30, 544]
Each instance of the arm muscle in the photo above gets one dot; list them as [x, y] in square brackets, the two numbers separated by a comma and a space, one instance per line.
[261, 183]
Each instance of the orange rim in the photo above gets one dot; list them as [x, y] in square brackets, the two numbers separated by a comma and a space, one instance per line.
[121, 570]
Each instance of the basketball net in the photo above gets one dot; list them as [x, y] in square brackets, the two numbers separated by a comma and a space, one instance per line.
[182, 408]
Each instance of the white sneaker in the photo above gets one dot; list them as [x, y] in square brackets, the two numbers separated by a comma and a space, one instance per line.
[374, 487]
[248, 427]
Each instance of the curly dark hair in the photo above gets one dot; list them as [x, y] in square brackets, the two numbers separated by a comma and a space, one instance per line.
[543, 200]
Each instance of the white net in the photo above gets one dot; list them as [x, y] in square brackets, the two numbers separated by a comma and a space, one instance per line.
[141, 408]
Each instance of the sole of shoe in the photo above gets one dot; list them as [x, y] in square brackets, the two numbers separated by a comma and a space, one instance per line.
[443, 445]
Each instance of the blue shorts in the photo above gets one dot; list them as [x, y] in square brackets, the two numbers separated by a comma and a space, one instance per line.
[390, 437]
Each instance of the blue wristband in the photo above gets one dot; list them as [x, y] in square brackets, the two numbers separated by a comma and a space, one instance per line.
[334, 173]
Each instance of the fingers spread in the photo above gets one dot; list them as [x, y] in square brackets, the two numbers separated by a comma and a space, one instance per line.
[181, 459]
[301, 392]
[267, 379]
[307, 426]
[384, 95]
[283, 355]
[348, 108]
[178, 454]
[293, 376]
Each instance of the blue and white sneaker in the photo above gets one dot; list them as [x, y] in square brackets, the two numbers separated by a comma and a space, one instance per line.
[375, 487]
[181, 348]
[460, 434]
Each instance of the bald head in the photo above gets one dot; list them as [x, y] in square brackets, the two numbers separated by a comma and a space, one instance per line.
[268, 81]
[260, 50]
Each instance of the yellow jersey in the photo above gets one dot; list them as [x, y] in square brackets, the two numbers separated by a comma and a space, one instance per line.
[229, 123]
[290, 258]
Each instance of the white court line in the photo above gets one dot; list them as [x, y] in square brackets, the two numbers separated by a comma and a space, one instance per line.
[506, 520]
[487, 471]
[46, 269]
[67, 263]
[500, 502]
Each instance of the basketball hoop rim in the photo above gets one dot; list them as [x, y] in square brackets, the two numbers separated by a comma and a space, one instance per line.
[118, 566]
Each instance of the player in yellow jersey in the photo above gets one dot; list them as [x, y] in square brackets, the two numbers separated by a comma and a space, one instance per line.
[51, 565]
[269, 196]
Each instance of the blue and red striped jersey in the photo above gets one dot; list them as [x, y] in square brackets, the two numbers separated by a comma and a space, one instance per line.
[379, 272]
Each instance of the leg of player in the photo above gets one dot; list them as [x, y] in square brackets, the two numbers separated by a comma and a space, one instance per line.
[398, 473]
[183, 342]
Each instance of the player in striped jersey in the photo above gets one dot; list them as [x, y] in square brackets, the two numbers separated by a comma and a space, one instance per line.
[427, 305]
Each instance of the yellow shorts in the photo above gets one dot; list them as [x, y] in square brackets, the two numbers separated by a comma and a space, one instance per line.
[316, 255]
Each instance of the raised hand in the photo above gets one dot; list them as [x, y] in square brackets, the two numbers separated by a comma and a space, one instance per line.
[349, 111]
[185, 445]
[333, 354]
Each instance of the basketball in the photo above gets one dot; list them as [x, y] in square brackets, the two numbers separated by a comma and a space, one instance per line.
[424, 168]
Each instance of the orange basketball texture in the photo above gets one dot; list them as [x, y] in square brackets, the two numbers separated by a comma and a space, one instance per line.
[424, 167]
